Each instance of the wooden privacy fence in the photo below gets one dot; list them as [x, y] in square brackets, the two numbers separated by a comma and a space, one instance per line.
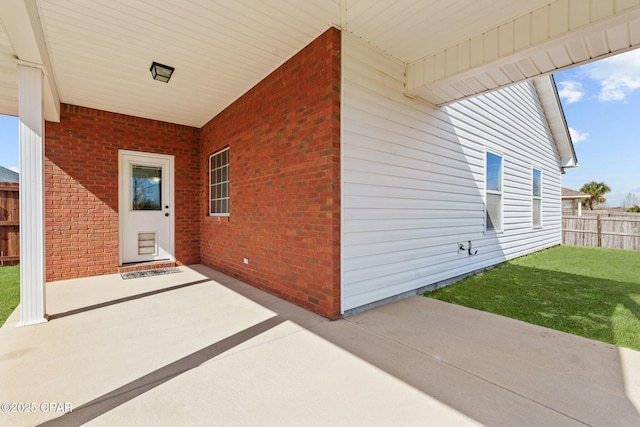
[602, 230]
[9, 223]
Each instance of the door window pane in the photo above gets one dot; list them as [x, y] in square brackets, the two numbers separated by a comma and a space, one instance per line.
[146, 186]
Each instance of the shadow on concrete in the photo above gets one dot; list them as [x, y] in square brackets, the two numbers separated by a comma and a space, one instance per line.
[80, 310]
[473, 367]
[120, 396]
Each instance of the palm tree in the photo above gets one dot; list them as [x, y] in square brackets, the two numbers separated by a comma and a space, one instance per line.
[597, 190]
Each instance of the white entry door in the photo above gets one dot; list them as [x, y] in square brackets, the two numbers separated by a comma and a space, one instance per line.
[145, 207]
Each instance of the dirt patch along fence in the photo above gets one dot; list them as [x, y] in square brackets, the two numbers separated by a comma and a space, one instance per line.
[602, 230]
[9, 223]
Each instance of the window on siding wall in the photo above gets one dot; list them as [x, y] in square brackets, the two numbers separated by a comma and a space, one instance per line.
[536, 190]
[493, 187]
[219, 183]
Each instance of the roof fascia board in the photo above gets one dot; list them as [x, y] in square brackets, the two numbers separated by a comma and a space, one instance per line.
[550, 101]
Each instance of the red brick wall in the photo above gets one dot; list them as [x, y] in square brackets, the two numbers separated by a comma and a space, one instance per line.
[81, 187]
[284, 139]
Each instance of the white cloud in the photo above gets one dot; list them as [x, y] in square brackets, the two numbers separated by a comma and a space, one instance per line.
[577, 136]
[618, 76]
[571, 91]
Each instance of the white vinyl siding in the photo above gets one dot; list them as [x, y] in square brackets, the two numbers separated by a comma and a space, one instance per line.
[413, 179]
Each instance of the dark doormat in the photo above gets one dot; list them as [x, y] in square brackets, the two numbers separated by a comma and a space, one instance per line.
[148, 273]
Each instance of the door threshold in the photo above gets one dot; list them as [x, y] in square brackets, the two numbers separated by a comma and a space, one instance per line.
[147, 265]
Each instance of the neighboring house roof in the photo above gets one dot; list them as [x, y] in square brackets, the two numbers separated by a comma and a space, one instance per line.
[548, 94]
[7, 175]
[569, 194]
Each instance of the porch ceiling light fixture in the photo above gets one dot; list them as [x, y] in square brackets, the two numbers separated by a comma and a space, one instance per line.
[161, 72]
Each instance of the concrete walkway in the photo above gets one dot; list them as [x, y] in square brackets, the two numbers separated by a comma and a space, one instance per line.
[199, 348]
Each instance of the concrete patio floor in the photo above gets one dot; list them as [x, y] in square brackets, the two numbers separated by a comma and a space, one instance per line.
[202, 348]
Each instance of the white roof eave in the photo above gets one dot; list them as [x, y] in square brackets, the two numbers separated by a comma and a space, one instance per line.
[548, 94]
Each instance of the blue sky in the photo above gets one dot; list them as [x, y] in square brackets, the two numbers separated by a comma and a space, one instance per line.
[9, 142]
[601, 102]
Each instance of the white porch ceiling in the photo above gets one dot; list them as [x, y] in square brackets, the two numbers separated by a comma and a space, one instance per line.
[550, 38]
[101, 50]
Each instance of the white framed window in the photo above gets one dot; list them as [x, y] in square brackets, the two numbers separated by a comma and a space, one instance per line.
[493, 192]
[536, 197]
[219, 183]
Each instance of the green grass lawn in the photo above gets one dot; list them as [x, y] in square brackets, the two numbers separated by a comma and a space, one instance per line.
[592, 292]
[9, 291]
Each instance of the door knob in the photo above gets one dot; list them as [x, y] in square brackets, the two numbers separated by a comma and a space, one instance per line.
[166, 214]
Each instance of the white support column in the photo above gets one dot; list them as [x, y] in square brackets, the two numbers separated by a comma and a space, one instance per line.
[31, 136]
[579, 207]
